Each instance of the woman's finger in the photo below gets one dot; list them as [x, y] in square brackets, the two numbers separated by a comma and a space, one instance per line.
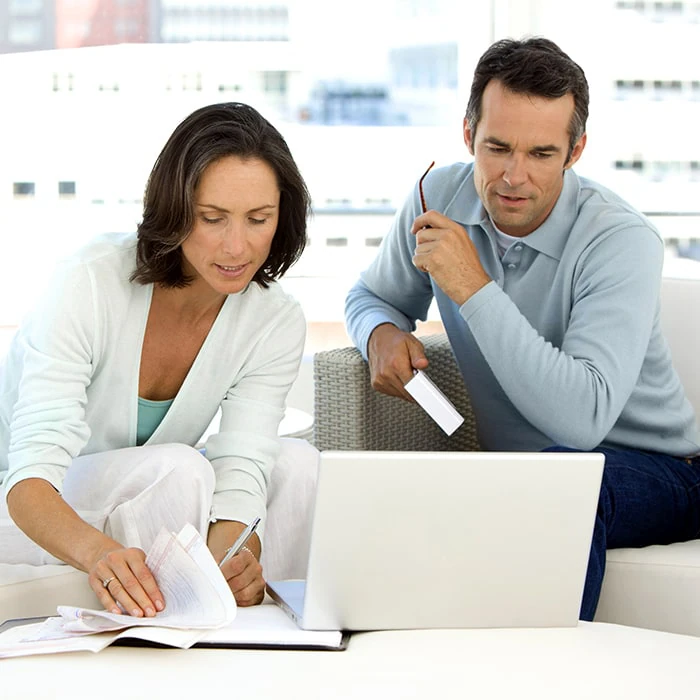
[251, 595]
[123, 583]
[127, 590]
[244, 577]
[101, 588]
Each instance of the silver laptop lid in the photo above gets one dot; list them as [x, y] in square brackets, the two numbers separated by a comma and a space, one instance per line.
[415, 539]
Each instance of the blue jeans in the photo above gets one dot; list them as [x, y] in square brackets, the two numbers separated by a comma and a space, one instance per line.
[645, 498]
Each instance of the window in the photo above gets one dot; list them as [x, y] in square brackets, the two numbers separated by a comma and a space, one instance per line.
[25, 7]
[23, 190]
[366, 94]
[66, 189]
[24, 31]
[275, 82]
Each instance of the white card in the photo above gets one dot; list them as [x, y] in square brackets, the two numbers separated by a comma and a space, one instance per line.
[434, 402]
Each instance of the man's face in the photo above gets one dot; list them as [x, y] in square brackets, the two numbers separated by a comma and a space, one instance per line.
[519, 150]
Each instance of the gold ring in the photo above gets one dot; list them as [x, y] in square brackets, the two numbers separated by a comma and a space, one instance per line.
[107, 581]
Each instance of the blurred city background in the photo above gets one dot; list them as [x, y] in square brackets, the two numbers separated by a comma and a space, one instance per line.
[366, 93]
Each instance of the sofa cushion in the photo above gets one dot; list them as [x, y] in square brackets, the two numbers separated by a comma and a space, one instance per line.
[656, 587]
[34, 591]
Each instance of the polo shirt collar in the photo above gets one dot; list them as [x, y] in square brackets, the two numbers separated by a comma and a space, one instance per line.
[550, 238]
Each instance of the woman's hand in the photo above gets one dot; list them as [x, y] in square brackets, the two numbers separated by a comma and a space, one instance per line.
[119, 576]
[124, 584]
[244, 576]
[242, 571]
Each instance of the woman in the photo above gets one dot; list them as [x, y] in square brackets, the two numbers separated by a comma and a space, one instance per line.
[137, 344]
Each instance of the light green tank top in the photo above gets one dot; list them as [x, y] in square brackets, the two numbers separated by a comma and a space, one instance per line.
[151, 413]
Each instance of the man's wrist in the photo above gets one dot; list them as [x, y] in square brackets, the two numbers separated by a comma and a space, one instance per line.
[376, 332]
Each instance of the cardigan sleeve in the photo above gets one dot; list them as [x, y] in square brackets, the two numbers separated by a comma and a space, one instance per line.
[246, 447]
[51, 368]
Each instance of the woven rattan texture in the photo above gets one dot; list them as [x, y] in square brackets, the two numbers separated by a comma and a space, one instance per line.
[350, 415]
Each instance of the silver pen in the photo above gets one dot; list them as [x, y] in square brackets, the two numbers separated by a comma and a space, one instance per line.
[238, 545]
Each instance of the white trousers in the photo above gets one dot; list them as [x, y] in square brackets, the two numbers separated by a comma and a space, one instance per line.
[141, 489]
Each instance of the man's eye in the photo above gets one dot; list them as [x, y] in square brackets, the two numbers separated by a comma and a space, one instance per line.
[542, 155]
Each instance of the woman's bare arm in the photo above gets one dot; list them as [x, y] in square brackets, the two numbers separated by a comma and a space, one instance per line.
[40, 512]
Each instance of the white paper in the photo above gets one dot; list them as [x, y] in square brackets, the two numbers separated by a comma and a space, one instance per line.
[195, 591]
[260, 625]
[197, 599]
[269, 625]
[47, 638]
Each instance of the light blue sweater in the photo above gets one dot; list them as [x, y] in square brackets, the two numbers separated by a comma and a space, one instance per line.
[69, 384]
[564, 346]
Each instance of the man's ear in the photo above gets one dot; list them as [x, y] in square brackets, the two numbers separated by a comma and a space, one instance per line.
[468, 136]
[576, 153]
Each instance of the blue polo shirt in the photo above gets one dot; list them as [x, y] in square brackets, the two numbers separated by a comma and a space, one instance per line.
[564, 346]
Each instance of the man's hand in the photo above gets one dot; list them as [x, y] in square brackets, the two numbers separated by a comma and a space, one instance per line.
[446, 253]
[393, 355]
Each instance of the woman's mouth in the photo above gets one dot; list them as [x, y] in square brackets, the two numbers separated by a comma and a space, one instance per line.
[230, 270]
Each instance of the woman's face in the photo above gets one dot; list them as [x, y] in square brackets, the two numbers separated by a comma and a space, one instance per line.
[236, 210]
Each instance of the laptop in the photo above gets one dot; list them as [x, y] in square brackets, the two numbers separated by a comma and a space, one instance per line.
[410, 540]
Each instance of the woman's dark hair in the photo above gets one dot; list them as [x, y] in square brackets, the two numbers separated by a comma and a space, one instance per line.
[534, 66]
[207, 135]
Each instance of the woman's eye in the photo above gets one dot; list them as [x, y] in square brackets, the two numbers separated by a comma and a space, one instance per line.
[211, 220]
[257, 221]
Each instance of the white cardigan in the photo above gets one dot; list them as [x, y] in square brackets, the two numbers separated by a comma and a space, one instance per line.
[69, 384]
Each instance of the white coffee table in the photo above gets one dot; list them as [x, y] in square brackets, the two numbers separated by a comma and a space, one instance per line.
[296, 424]
[593, 660]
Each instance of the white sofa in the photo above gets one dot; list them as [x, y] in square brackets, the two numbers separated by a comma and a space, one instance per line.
[655, 587]
[659, 587]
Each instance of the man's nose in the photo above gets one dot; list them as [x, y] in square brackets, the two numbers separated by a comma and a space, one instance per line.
[515, 173]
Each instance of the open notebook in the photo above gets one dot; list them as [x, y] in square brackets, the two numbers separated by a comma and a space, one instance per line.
[200, 611]
[447, 539]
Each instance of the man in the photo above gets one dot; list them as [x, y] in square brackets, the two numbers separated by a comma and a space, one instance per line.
[548, 288]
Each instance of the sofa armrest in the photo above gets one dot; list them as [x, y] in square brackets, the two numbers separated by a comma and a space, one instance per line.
[350, 415]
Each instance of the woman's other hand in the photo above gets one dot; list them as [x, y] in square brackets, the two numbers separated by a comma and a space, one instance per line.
[243, 573]
[124, 584]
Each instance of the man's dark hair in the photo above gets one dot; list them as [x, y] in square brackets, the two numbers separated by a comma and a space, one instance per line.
[207, 135]
[533, 66]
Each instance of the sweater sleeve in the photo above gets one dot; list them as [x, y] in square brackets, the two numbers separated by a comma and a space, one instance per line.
[245, 449]
[575, 393]
[392, 289]
[52, 364]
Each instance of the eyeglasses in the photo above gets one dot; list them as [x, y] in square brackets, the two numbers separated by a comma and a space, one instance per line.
[420, 188]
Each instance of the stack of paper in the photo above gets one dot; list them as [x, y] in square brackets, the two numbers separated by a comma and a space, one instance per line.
[196, 593]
